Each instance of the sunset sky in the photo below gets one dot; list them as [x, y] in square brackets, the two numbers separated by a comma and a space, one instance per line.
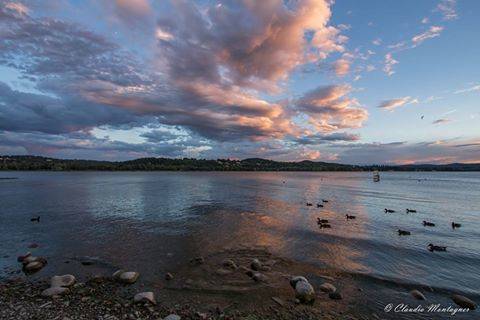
[349, 81]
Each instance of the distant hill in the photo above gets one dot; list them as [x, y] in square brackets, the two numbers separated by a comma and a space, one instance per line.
[187, 164]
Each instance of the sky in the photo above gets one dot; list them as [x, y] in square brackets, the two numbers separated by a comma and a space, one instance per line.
[358, 82]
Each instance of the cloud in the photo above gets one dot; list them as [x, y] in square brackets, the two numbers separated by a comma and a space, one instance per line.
[316, 139]
[470, 89]
[433, 32]
[208, 75]
[341, 67]
[437, 152]
[441, 121]
[17, 7]
[330, 108]
[396, 103]
[377, 41]
[389, 63]
[447, 9]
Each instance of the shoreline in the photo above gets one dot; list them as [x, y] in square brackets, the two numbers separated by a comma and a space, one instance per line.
[211, 289]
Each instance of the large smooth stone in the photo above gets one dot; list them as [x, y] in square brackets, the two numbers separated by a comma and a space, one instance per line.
[256, 265]
[304, 292]
[327, 287]
[54, 291]
[294, 280]
[34, 266]
[417, 295]
[145, 297]
[62, 281]
[128, 277]
[464, 302]
[172, 317]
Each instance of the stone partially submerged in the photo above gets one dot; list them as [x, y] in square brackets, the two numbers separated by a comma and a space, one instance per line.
[464, 302]
[127, 277]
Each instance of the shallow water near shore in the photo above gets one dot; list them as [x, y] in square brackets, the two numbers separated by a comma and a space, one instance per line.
[155, 222]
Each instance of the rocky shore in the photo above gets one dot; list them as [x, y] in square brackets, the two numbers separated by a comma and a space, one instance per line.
[232, 284]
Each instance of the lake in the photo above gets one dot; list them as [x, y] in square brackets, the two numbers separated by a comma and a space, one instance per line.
[153, 221]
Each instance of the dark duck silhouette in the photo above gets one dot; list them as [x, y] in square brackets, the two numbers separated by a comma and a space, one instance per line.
[349, 217]
[35, 219]
[428, 224]
[432, 248]
[456, 225]
[309, 204]
[319, 205]
[321, 221]
[403, 232]
[411, 211]
[389, 210]
[325, 225]
[324, 201]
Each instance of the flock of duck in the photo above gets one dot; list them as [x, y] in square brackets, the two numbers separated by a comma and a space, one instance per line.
[324, 223]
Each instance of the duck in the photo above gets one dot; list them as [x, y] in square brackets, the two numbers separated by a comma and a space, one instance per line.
[37, 219]
[325, 225]
[411, 211]
[389, 210]
[324, 201]
[403, 232]
[428, 224]
[349, 217]
[319, 205]
[320, 221]
[309, 204]
[456, 225]
[432, 248]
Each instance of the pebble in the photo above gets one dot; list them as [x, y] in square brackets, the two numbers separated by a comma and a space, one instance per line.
[327, 287]
[172, 317]
[417, 295]
[256, 264]
[54, 291]
[259, 277]
[145, 297]
[62, 281]
[464, 302]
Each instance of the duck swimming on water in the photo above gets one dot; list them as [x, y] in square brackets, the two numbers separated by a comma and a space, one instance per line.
[320, 221]
[324, 201]
[411, 211]
[37, 219]
[456, 225]
[428, 224]
[309, 204]
[403, 233]
[325, 226]
[319, 205]
[389, 210]
[349, 217]
[432, 248]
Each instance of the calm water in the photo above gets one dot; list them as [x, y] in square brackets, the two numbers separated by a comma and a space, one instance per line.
[151, 221]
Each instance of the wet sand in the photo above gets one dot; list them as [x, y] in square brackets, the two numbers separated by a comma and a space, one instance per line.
[208, 290]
